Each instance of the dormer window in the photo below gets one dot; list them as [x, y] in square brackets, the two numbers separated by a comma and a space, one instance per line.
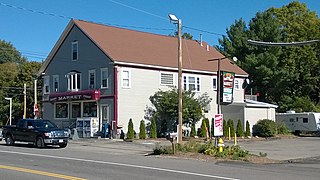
[74, 81]
[75, 50]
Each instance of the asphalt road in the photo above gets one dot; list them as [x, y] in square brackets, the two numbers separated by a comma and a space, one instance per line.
[120, 160]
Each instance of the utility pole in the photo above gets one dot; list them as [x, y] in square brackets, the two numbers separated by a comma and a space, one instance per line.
[174, 19]
[25, 100]
[35, 108]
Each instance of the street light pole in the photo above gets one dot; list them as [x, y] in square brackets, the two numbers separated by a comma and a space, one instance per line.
[176, 20]
[10, 113]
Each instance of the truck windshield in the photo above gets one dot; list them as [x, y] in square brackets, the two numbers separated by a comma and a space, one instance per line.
[44, 124]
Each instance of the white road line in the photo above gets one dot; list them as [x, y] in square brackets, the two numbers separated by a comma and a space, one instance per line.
[121, 164]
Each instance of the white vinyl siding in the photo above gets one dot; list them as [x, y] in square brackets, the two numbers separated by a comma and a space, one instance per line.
[104, 78]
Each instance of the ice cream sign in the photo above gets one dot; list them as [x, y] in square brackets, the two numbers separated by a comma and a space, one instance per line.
[227, 87]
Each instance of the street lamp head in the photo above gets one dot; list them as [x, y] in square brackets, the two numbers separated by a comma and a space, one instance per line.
[235, 59]
[173, 18]
[7, 98]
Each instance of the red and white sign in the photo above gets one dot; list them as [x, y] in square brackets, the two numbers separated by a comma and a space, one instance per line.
[218, 125]
[35, 108]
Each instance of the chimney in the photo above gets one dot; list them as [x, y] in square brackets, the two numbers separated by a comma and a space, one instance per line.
[208, 47]
[201, 40]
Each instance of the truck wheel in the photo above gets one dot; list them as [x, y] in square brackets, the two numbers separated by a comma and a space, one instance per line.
[63, 145]
[9, 140]
[40, 142]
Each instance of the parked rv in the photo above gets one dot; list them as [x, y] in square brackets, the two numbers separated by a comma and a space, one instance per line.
[300, 122]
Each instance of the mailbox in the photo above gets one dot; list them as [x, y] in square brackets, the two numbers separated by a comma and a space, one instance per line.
[105, 130]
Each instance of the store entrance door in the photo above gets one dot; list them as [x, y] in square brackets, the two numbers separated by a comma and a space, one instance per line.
[105, 113]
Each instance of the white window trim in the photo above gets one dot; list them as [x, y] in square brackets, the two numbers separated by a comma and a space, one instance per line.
[44, 85]
[173, 79]
[122, 77]
[74, 42]
[104, 70]
[237, 81]
[215, 79]
[53, 83]
[70, 78]
[94, 83]
[187, 82]
[55, 110]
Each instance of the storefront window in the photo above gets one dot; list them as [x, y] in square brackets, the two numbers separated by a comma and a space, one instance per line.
[90, 109]
[61, 110]
[76, 110]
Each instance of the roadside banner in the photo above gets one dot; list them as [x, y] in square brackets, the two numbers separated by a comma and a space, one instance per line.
[218, 125]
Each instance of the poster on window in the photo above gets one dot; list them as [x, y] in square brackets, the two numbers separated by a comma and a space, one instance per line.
[218, 125]
[227, 87]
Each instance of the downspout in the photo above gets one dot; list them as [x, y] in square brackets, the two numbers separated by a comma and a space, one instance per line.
[115, 101]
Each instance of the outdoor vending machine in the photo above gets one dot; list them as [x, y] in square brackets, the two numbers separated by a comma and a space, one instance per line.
[87, 127]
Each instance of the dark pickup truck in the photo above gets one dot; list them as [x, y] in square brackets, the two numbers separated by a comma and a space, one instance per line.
[38, 131]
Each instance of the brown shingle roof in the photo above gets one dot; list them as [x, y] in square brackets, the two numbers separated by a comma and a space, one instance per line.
[129, 46]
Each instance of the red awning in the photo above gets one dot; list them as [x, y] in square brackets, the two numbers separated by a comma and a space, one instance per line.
[75, 95]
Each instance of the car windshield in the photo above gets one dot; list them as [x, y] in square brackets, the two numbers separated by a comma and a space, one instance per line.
[44, 124]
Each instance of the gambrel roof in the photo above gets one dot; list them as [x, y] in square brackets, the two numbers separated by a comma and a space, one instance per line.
[147, 49]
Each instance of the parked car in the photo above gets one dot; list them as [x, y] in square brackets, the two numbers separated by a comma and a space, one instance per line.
[38, 131]
[0, 133]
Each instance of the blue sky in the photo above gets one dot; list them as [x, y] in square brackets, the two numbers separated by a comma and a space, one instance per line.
[33, 32]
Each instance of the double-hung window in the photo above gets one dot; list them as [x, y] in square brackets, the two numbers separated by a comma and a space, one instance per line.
[74, 81]
[191, 83]
[236, 84]
[214, 83]
[74, 50]
[104, 78]
[46, 85]
[92, 79]
[126, 78]
[55, 83]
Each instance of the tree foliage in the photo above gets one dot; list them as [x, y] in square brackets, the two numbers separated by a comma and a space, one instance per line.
[281, 75]
[15, 70]
[248, 131]
[239, 131]
[203, 128]
[153, 131]
[231, 126]
[130, 133]
[165, 108]
[142, 133]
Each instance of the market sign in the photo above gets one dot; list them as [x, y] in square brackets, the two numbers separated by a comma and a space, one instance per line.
[227, 87]
[74, 96]
[218, 125]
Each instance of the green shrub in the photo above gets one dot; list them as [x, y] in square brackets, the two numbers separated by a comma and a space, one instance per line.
[207, 125]
[225, 128]
[153, 130]
[231, 126]
[190, 146]
[162, 150]
[203, 129]
[282, 128]
[212, 127]
[142, 134]
[248, 132]
[130, 133]
[193, 130]
[265, 128]
[239, 129]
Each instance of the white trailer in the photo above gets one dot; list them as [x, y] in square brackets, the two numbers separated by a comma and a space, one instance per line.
[300, 122]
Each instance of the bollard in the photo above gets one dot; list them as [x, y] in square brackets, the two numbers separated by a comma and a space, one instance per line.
[229, 134]
[235, 139]
[220, 145]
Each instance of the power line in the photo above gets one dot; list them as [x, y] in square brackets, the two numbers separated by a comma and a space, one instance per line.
[110, 24]
[261, 43]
